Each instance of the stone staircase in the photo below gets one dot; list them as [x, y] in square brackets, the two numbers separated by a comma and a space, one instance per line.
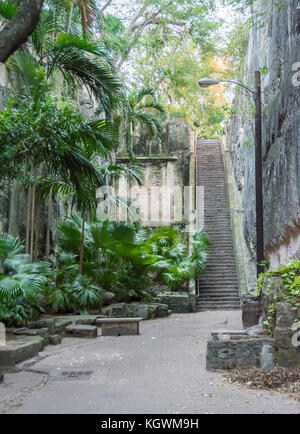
[217, 288]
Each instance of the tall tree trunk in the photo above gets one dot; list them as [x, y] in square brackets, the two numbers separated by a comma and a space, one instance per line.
[29, 200]
[17, 30]
[32, 222]
[37, 232]
[70, 17]
[82, 242]
[49, 217]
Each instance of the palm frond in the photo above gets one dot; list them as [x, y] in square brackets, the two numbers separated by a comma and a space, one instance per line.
[9, 246]
[88, 13]
[116, 170]
[78, 66]
[49, 24]
[23, 66]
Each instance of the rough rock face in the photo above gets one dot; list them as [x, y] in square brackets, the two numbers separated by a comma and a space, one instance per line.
[274, 48]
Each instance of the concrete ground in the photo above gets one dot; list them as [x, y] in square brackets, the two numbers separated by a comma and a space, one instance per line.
[160, 371]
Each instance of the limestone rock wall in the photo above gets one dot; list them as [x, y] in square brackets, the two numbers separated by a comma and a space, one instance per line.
[274, 48]
[167, 192]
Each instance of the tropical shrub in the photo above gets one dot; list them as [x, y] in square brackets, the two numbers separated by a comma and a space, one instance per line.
[21, 282]
[123, 257]
[112, 259]
[171, 258]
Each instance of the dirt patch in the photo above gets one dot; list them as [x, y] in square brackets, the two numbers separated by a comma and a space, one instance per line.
[282, 380]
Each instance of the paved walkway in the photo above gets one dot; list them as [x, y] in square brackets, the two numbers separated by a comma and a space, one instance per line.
[160, 371]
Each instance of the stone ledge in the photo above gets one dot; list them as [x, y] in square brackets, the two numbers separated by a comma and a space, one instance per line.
[154, 158]
[121, 326]
[20, 349]
[81, 331]
[117, 320]
[222, 354]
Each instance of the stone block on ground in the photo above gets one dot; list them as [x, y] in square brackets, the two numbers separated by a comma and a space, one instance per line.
[43, 332]
[87, 320]
[118, 310]
[222, 354]
[81, 331]
[60, 325]
[120, 326]
[143, 310]
[55, 339]
[21, 348]
[163, 310]
[42, 323]
[24, 331]
[177, 302]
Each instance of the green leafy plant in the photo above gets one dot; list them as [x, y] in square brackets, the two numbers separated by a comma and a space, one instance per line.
[21, 282]
[290, 275]
[124, 257]
[170, 257]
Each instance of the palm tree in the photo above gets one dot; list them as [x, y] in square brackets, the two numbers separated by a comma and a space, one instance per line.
[69, 181]
[139, 108]
[88, 12]
[78, 61]
[113, 252]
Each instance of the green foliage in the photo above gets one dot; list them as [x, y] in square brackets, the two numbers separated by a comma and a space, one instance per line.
[140, 107]
[113, 34]
[290, 275]
[169, 255]
[7, 10]
[21, 282]
[236, 48]
[76, 295]
[112, 254]
[35, 131]
[168, 46]
[121, 257]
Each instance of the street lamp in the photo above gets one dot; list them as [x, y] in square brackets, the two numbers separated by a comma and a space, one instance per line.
[256, 94]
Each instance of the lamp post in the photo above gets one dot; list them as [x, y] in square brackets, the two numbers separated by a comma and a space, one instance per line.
[256, 94]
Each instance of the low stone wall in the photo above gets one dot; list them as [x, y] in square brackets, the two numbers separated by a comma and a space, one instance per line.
[178, 302]
[132, 310]
[235, 350]
[26, 342]
[243, 348]
[22, 348]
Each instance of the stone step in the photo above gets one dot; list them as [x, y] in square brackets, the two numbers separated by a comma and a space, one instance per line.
[211, 308]
[202, 303]
[233, 297]
[217, 293]
[218, 285]
[225, 278]
[82, 331]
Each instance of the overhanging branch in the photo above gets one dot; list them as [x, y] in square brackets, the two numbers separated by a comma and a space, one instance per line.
[19, 28]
